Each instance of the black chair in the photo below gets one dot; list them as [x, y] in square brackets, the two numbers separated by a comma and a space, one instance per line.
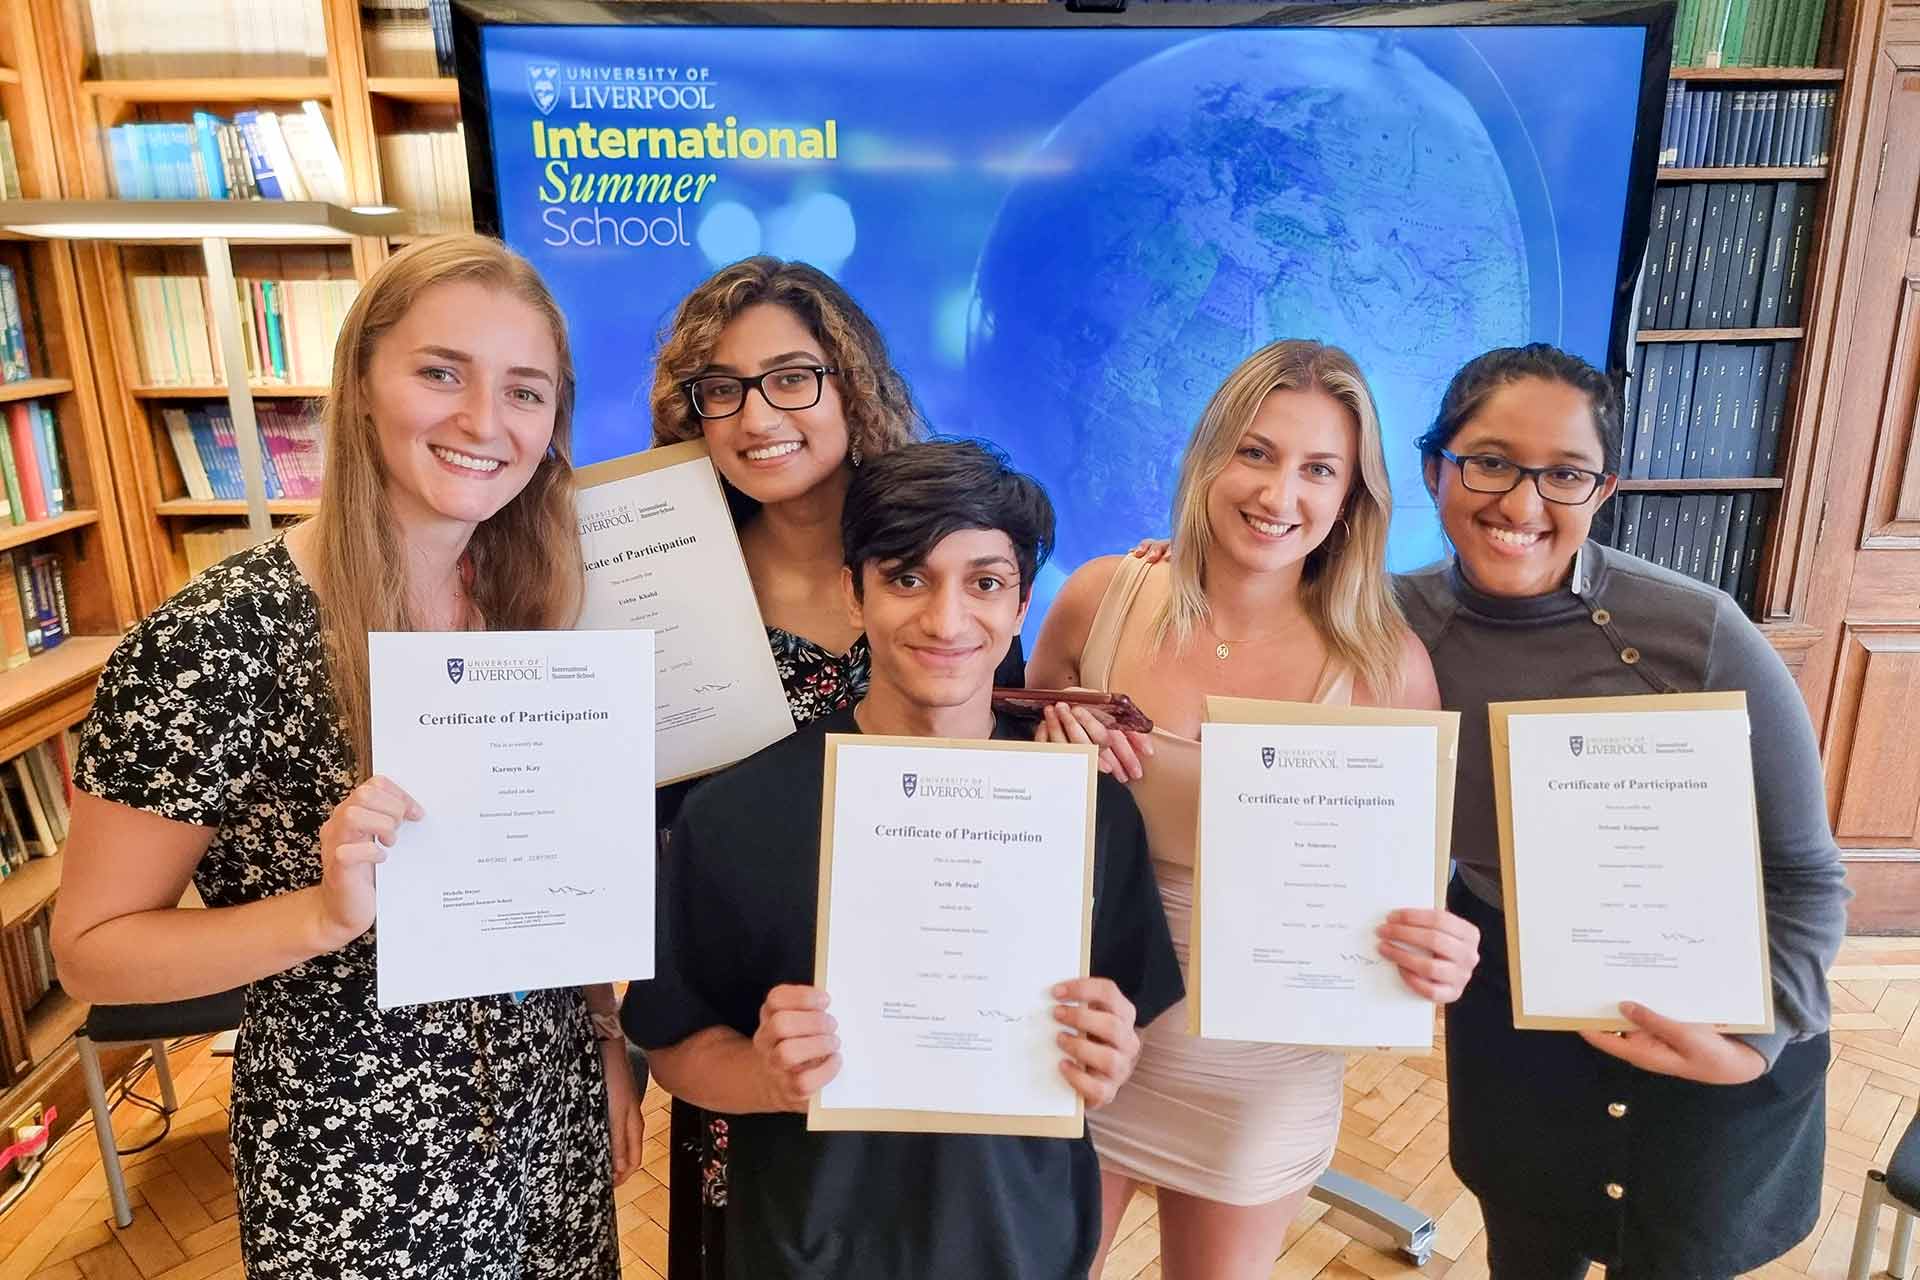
[152, 1025]
[1897, 1186]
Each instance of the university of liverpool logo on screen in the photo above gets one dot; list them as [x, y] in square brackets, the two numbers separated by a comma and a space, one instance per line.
[1576, 743]
[456, 667]
[544, 80]
[1266, 756]
[909, 783]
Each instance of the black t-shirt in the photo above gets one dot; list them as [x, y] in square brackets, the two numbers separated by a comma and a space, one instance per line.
[738, 903]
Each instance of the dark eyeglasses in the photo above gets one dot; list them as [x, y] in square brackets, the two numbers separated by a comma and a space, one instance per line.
[721, 395]
[1491, 473]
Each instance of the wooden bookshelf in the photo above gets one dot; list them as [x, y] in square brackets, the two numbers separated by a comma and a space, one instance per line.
[1759, 75]
[21, 535]
[1717, 335]
[1745, 173]
[191, 89]
[207, 508]
[34, 388]
[1718, 484]
[52, 1022]
[260, 391]
[28, 889]
[441, 90]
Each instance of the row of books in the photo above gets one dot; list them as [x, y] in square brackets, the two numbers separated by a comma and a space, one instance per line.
[205, 446]
[26, 953]
[1707, 410]
[426, 174]
[206, 546]
[141, 40]
[36, 797]
[33, 605]
[408, 37]
[258, 155]
[14, 364]
[1748, 33]
[1706, 128]
[9, 163]
[1715, 538]
[1727, 255]
[30, 462]
[290, 339]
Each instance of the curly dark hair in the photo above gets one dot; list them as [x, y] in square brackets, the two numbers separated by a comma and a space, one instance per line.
[881, 414]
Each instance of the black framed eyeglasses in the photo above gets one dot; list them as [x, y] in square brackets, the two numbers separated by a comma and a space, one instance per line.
[1491, 473]
[791, 388]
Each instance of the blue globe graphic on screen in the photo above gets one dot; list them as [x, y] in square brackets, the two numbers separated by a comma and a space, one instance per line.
[1217, 197]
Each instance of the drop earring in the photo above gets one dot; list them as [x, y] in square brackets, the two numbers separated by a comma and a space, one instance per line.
[853, 453]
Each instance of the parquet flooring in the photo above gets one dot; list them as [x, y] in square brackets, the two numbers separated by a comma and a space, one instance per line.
[1394, 1136]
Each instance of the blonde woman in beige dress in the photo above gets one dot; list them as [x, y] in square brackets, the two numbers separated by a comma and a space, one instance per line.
[1275, 587]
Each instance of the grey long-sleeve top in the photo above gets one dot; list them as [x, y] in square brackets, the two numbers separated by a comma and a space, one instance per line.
[1623, 626]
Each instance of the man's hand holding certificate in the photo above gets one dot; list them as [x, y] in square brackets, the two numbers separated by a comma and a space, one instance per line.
[1631, 863]
[956, 893]
[531, 864]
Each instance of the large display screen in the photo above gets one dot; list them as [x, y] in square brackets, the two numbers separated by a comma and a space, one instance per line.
[1069, 233]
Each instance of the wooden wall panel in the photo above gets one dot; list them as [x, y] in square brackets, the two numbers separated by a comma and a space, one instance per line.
[1880, 799]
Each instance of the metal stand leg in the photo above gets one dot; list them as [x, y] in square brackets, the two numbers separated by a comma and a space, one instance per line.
[163, 1071]
[1902, 1238]
[103, 1130]
[1411, 1230]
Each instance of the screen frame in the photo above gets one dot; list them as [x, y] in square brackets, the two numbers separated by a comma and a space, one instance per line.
[1655, 17]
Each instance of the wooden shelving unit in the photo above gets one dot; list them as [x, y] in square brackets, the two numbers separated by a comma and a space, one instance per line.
[1756, 75]
[1746, 173]
[202, 508]
[1718, 335]
[1721, 484]
[195, 90]
[260, 390]
[442, 90]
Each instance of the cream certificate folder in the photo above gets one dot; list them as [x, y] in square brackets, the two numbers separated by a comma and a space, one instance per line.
[1315, 822]
[662, 555]
[534, 864]
[956, 888]
[1630, 860]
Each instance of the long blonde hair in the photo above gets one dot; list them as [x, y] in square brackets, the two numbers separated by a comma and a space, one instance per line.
[1344, 584]
[524, 560]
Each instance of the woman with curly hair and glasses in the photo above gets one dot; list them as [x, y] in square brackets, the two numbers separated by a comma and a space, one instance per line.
[789, 382]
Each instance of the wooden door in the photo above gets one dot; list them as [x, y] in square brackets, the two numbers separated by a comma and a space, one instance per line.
[1864, 591]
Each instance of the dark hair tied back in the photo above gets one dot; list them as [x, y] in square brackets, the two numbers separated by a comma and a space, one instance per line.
[1480, 377]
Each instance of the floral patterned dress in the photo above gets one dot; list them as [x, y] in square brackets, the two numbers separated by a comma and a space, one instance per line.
[818, 683]
[460, 1140]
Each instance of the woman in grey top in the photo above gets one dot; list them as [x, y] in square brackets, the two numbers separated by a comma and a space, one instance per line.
[1672, 1150]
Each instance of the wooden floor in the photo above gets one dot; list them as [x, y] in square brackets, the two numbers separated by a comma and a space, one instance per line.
[1394, 1137]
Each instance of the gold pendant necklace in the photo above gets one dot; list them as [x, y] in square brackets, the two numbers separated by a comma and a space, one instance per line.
[1221, 651]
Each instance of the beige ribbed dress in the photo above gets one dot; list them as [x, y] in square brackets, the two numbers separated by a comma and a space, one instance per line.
[1226, 1120]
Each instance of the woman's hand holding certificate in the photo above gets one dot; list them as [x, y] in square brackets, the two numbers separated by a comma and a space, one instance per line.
[354, 840]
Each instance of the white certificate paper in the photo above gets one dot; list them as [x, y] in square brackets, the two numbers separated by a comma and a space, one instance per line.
[1309, 835]
[534, 864]
[956, 890]
[1634, 869]
[662, 554]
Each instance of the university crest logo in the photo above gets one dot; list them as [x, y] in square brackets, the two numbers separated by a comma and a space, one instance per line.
[543, 79]
[1266, 756]
[909, 783]
[1576, 743]
[456, 667]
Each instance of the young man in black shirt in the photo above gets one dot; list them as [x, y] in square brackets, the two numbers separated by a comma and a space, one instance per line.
[942, 541]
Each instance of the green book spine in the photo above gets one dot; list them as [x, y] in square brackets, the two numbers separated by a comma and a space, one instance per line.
[1702, 33]
[1790, 37]
[1809, 52]
[19, 511]
[1766, 49]
[1733, 48]
[1717, 33]
[1683, 20]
